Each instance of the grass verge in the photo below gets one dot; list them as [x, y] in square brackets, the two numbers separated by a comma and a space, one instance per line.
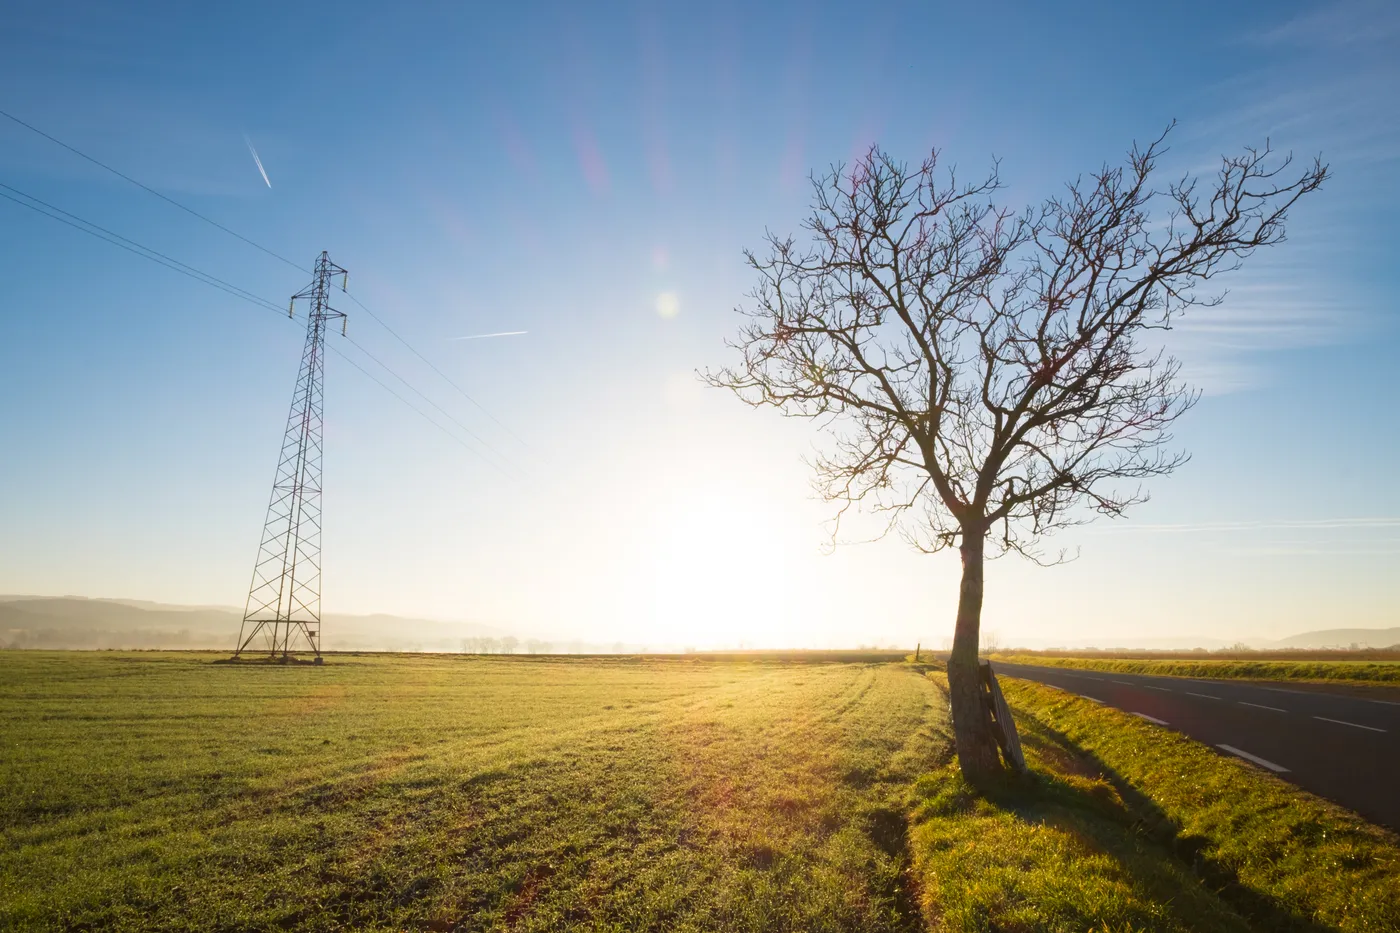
[1124, 826]
[1380, 673]
[1285, 858]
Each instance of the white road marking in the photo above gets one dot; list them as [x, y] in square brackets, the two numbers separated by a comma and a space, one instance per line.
[1163, 689]
[1160, 722]
[1262, 706]
[1343, 722]
[1090, 699]
[1204, 696]
[1325, 693]
[1277, 769]
[1301, 693]
[1125, 683]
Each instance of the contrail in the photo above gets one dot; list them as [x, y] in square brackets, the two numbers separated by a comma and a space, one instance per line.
[504, 333]
[256, 159]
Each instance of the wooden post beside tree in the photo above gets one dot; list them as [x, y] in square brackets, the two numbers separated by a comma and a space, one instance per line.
[1003, 726]
[990, 376]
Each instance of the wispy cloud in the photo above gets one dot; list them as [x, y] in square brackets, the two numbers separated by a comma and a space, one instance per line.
[1350, 22]
[1287, 524]
[1329, 84]
[1310, 550]
[1330, 537]
[1276, 307]
[1271, 313]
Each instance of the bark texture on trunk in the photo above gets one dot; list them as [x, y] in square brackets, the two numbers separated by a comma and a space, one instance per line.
[976, 744]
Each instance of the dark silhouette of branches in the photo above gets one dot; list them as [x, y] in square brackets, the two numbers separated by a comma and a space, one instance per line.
[988, 376]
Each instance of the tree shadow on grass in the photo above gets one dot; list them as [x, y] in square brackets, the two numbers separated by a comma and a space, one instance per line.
[1074, 781]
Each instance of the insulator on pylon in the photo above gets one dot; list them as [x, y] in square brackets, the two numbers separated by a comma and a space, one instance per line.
[291, 308]
[345, 281]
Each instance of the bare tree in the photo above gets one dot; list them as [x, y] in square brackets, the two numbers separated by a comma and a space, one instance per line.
[988, 376]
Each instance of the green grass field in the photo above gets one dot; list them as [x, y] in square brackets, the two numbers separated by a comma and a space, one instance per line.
[148, 791]
[163, 792]
[1383, 673]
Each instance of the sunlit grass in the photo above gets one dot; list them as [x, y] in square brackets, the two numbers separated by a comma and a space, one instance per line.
[162, 792]
[1361, 672]
[1107, 783]
[159, 792]
[1055, 851]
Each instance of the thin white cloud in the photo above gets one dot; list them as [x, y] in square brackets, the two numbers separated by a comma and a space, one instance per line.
[1313, 524]
[1331, 85]
[1265, 316]
[1298, 550]
[1350, 22]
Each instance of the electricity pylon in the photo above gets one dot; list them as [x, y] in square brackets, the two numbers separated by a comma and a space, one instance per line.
[284, 601]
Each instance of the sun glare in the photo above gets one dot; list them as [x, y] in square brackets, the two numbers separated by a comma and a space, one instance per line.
[719, 579]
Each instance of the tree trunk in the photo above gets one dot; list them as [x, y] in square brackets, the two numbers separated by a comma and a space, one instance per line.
[972, 723]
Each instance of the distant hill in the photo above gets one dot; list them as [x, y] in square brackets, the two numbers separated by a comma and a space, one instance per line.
[78, 622]
[1342, 638]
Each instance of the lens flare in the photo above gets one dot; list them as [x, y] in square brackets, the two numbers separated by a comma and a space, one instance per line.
[668, 305]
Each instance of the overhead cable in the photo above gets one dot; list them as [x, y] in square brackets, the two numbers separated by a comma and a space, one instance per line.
[188, 210]
[161, 259]
[434, 368]
[144, 252]
[445, 412]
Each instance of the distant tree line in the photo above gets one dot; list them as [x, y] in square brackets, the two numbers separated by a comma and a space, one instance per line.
[506, 645]
[512, 645]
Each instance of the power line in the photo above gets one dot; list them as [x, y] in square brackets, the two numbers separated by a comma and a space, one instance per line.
[188, 210]
[275, 255]
[160, 259]
[426, 417]
[132, 246]
[157, 258]
[445, 412]
[435, 369]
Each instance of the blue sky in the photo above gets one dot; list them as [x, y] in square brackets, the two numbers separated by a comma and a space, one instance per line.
[558, 169]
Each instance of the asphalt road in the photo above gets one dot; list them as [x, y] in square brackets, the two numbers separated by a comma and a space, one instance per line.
[1344, 748]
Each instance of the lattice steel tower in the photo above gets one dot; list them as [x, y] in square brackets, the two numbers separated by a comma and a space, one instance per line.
[284, 601]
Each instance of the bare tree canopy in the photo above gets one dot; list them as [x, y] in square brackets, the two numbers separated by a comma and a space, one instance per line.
[991, 375]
